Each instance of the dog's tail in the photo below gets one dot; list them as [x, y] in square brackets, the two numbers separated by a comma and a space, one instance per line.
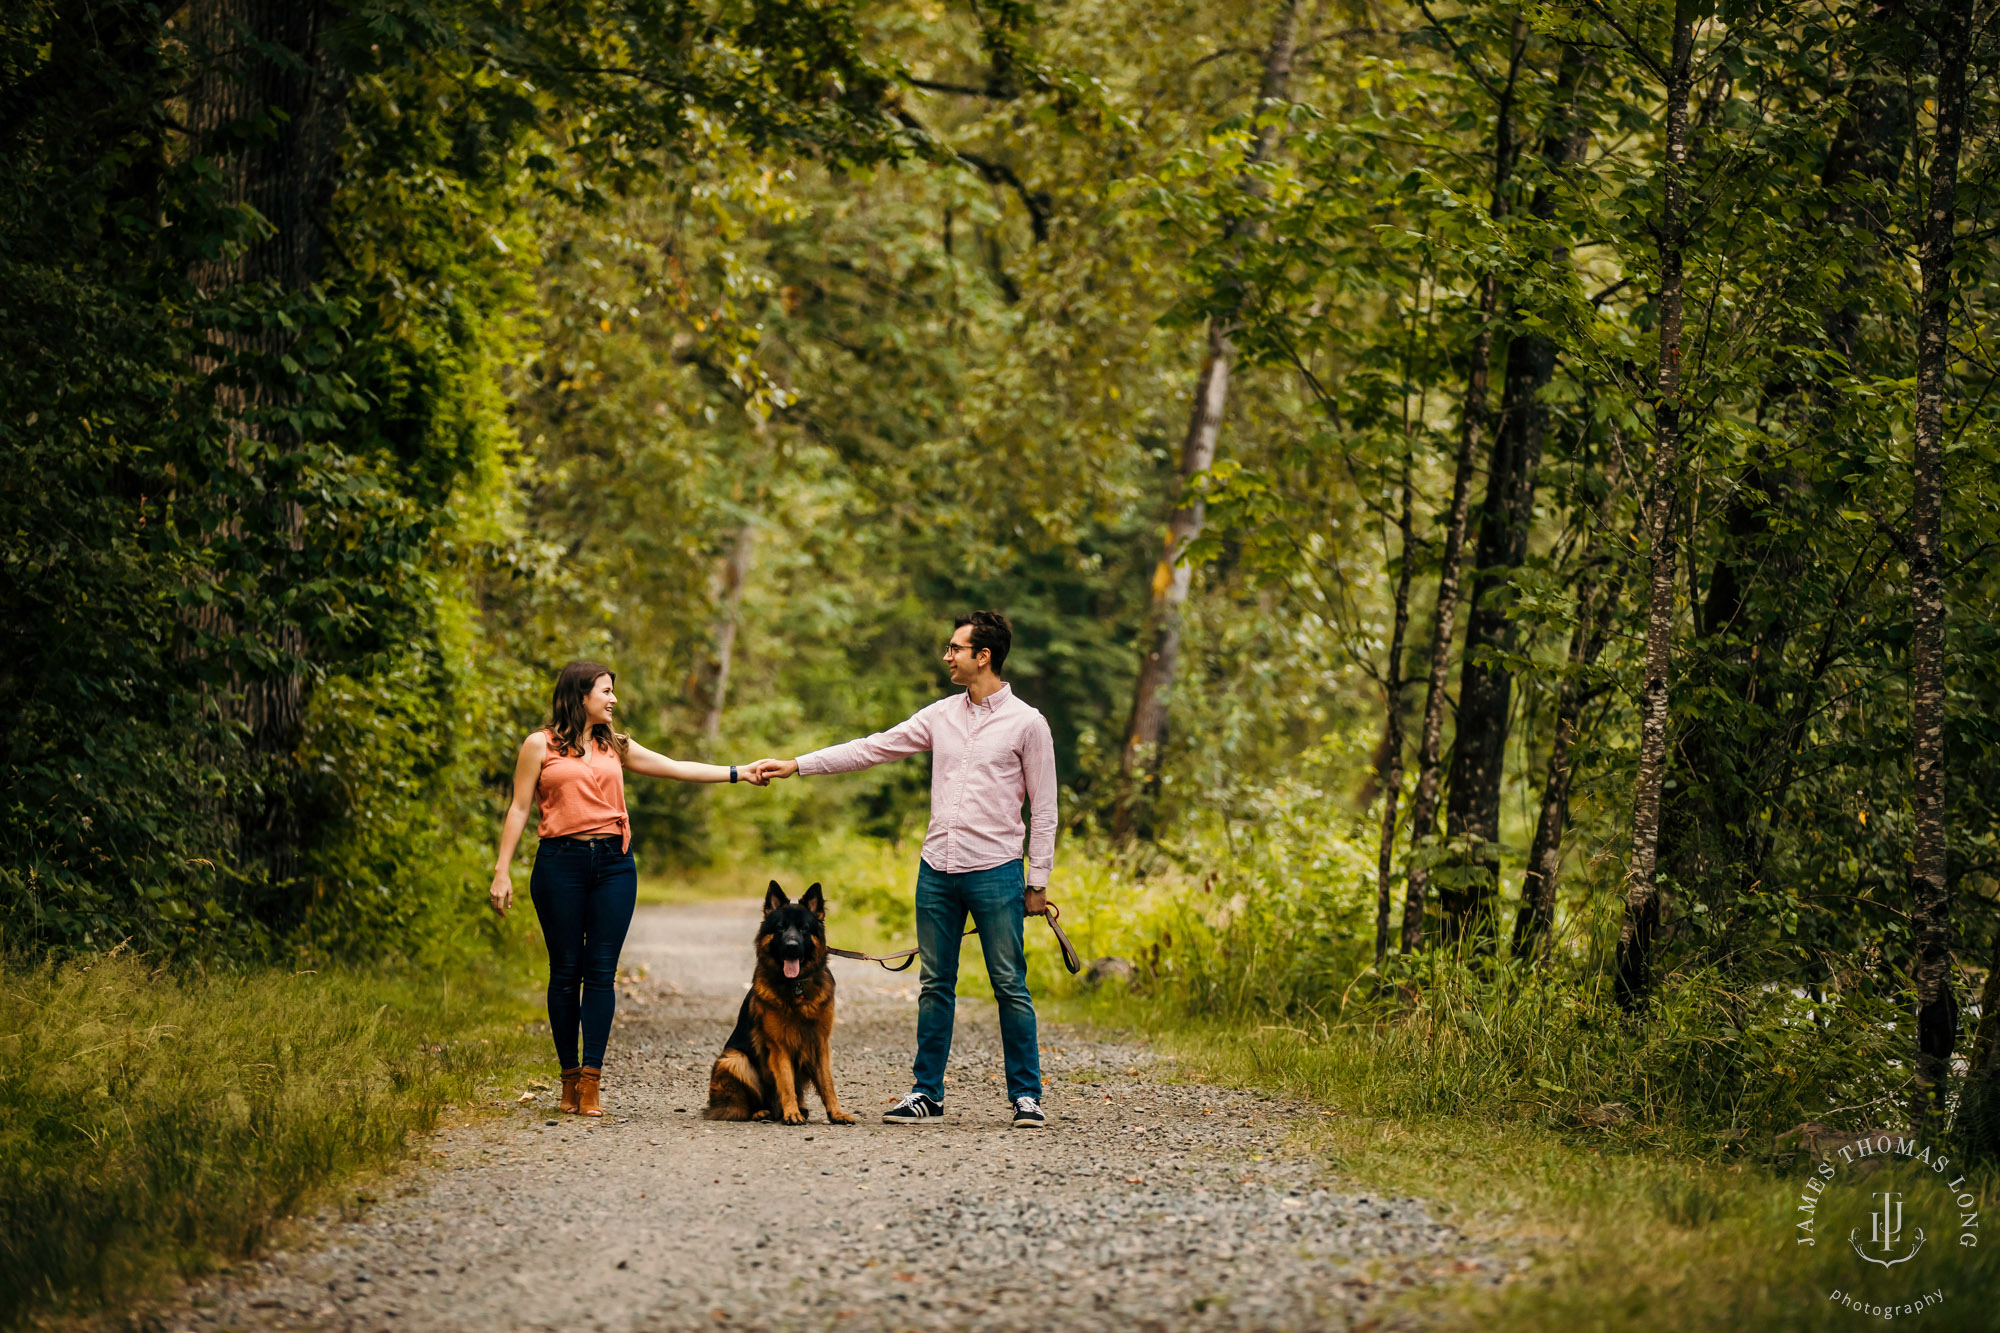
[734, 1090]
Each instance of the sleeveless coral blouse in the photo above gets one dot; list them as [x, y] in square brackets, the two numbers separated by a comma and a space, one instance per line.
[585, 795]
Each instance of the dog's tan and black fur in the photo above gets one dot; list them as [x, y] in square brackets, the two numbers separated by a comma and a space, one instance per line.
[784, 1031]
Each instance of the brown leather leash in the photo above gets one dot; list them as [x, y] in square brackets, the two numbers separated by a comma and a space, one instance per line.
[909, 956]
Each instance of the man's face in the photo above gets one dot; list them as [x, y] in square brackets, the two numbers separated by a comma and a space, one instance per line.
[964, 664]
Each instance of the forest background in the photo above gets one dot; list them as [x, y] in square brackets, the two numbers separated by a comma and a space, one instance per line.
[1497, 502]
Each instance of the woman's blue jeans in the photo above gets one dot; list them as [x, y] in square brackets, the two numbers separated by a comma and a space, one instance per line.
[994, 900]
[584, 891]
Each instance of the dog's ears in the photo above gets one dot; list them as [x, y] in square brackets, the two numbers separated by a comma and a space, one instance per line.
[814, 901]
[774, 898]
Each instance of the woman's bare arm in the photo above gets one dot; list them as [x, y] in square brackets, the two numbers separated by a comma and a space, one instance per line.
[641, 760]
[527, 775]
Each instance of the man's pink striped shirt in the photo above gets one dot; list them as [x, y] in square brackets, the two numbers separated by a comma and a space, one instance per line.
[985, 759]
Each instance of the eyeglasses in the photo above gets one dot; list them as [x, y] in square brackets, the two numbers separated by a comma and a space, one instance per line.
[953, 649]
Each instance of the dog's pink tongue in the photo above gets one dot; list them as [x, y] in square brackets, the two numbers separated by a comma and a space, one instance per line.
[791, 968]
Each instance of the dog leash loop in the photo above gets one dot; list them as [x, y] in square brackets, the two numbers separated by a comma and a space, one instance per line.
[909, 956]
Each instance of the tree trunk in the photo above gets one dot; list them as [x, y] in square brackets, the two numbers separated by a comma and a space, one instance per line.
[1979, 1103]
[1171, 577]
[1596, 599]
[1713, 839]
[1642, 898]
[1506, 517]
[1471, 423]
[1391, 770]
[1930, 889]
[1485, 685]
[268, 106]
[1985, 1053]
[735, 570]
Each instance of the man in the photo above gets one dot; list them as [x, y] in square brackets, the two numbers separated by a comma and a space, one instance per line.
[989, 751]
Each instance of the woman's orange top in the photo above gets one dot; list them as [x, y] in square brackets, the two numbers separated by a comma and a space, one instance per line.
[583, 795]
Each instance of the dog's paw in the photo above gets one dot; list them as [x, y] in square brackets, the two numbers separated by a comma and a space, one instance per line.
[795, 1117]
[842, 1119]
[760, 1115]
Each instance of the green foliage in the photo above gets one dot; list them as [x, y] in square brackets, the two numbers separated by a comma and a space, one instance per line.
[227, 492]
[1287, 940]
[904, 303]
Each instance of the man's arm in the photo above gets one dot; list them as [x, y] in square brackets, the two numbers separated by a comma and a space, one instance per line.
[1038, 766]
[898, 742]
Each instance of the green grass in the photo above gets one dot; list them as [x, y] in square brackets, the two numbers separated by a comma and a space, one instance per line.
[153, 1126]
[1622, 1235]
[706, 887]
[719, 884]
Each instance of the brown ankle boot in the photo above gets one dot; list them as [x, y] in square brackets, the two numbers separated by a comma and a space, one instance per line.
[586, 1091]
[570, 1078]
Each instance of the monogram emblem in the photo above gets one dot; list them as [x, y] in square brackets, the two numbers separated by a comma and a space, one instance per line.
[1885, 1233]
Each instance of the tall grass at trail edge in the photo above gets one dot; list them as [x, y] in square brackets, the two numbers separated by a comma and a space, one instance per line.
[1620, 1235]
[1279, 935]
[154, 1125]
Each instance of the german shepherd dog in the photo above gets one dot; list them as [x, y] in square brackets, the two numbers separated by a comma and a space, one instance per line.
[784, 1031]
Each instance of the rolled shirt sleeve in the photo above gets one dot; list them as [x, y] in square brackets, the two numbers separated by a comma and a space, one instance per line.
[1038, 767]
[898, 742]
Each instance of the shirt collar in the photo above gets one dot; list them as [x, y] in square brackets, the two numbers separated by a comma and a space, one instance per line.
[993, 700]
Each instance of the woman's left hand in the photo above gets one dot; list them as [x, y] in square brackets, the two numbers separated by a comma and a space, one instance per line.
[501, 894]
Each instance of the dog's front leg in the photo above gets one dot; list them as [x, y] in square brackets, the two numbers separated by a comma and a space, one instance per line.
[822, 1073]
[784, 1080]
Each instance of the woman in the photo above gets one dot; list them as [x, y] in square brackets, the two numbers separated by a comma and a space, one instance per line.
[584, 883]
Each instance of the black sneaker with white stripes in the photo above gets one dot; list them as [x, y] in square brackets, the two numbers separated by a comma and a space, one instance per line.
[1028, 1114]
[913, 1109]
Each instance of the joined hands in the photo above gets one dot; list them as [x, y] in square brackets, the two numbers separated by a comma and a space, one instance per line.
[764, 770]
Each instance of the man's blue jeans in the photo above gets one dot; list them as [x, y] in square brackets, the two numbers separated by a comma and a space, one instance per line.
[993, 898]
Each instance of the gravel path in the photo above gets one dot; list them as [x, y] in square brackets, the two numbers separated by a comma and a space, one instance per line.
[1148, 1204]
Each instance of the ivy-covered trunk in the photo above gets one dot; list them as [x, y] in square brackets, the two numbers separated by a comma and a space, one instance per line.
[1930, 889]
[267, 107]
[1642, 898]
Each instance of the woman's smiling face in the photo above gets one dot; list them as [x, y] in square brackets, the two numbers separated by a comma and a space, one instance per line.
[599, 703]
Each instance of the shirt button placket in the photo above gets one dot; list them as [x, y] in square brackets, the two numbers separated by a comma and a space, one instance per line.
[958, 789]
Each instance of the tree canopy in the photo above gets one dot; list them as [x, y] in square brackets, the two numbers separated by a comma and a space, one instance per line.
[1562, 433]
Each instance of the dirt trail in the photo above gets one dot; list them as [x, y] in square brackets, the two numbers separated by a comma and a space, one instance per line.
[1148, 1203]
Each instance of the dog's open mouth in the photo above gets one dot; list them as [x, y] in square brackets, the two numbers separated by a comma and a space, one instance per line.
[791, 969]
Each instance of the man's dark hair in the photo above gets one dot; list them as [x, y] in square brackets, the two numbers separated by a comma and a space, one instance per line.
[990, 631]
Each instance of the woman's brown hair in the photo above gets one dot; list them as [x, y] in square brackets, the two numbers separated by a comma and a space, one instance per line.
[566, 717]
